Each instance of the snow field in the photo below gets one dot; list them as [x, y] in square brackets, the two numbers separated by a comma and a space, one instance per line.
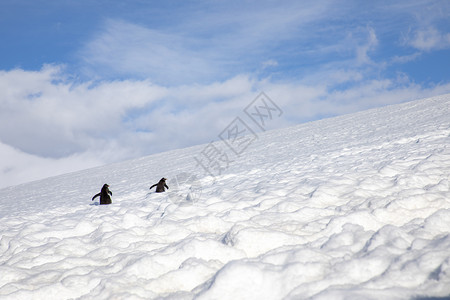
[353, 207]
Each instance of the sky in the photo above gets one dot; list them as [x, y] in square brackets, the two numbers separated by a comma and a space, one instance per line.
[87, 83]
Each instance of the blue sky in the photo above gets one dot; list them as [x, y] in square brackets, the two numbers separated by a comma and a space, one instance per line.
[84, 83]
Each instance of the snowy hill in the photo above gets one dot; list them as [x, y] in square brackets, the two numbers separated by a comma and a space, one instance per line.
[352, 207]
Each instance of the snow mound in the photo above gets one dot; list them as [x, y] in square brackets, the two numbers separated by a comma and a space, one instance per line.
[352, 207]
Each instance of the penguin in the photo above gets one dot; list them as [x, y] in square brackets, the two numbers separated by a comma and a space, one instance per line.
[105, 195]
[160, 185]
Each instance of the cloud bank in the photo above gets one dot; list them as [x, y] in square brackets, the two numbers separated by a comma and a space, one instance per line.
[49, 122]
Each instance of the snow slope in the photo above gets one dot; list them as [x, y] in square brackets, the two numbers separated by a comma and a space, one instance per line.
[352, 207]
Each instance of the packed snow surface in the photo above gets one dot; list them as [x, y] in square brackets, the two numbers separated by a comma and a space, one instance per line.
[352, 207]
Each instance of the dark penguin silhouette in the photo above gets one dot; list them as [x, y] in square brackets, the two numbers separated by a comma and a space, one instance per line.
[105, 195]
[160, 185]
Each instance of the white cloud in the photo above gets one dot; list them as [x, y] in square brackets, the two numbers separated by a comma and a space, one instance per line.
[429, 39]
[362, 56]
[201, 49]
[51, 125]
[220, 40]
[127, 49]
[41, 109]
[269, 63]
[405, 58]
[18, 167]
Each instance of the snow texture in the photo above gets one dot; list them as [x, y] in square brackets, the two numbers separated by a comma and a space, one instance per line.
[352, 207]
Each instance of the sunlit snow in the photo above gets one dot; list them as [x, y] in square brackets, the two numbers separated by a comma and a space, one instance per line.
[352, 207]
